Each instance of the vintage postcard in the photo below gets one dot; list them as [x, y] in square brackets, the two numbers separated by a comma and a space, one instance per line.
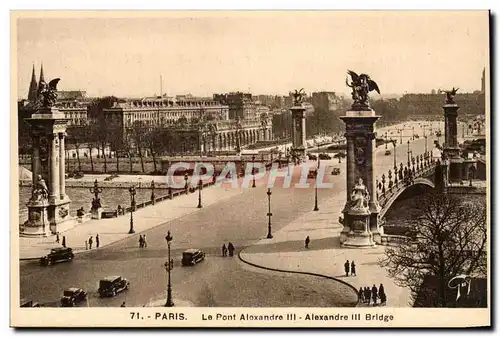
[250, 169]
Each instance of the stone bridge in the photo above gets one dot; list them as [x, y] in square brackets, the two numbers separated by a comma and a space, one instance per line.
[419, 171]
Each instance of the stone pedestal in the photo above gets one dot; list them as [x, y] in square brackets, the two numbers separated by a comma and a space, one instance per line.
[298, 132]
[48, 209]
[96, 213]
[359, 235]
[451, 149]
[360, 164]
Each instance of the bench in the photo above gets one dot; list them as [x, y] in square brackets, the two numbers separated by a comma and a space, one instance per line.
[109, 214]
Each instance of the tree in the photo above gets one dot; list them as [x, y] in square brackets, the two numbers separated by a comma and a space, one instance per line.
[447, 238]
[77, 136]
[138, 135]
[153, 140]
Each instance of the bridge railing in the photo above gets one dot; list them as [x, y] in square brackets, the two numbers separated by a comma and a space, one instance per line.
[403, 176]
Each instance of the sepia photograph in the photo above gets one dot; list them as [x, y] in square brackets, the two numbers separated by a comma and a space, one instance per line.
[250, 169]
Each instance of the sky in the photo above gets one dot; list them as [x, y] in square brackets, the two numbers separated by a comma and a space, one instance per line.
[263, 53]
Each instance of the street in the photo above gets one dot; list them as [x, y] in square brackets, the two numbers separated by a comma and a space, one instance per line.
[217, 281]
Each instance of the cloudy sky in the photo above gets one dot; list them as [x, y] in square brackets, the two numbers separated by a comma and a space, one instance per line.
[270, 53]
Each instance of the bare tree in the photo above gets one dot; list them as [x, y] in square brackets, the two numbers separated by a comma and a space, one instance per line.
[447, 238]
[76, 135]
[138, 134]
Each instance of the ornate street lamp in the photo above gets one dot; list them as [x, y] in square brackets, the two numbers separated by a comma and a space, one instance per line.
[132, 208]
[186, 177]
[386, 140]
[96, 190]
[200, 186]
[425, 144]
[253, 170]
[169, 265]
[413, 133]
[394, 149]
[153, 191]
[316, 189]
[269, 214]
[408, 153]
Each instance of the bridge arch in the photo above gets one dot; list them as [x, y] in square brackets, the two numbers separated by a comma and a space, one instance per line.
[398, 193]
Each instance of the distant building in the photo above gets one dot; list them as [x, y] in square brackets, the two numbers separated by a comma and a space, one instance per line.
[326, 101]
[241, 105]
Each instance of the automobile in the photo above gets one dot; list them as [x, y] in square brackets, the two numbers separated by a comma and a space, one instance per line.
[190, 257]
[57, 255]
[312, 173]
[29, 304]
[324, 156]
[336, 171]
[112, 285]
[72, 296]
[387, 152]
[312, 156]
[341, 154]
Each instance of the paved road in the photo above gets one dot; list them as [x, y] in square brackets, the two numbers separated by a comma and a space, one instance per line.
[217, 281]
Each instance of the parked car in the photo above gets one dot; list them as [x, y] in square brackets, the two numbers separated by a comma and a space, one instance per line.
[341, 154]
[388, 152]
[312, 156]
[336, 171]
[29, 304]
[324, 156]
[72, 296]
[112, 285]
[190, 257]
[57, 255]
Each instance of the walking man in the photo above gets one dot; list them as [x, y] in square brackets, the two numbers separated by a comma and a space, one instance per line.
[224, 250]
[64, 242]
[368, 295]
[374, 295]
[346, 268]
[307, 242]
[97, 241]
[90, 243]
[361, 294]
[141, 241]
[57, 237]
[353, 268]
[230, 248]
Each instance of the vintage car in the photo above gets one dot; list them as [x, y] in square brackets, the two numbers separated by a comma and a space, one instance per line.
[112, 285]
[72, 296]
[312, 156]
[29, 304]
[57, 255]
[324, 156]
[336, 171]
[190, 257]
[388, 152]
[341, 154]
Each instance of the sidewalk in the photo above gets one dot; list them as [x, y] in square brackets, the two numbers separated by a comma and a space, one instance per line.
[286, 252]
[116, 229]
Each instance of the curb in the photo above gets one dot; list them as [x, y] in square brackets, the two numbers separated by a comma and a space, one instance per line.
[299, 272]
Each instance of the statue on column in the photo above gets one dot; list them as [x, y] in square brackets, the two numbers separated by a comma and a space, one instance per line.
[41, 191]
[360, 197]
[450, 95]
[361, 85]
[47, 94]
[298, 96]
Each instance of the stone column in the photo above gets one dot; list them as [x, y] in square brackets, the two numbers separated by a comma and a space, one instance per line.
[62, 167]
[451, 148]
[35, 161]
[54, 167]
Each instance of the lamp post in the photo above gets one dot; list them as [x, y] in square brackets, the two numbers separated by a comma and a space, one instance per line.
[413, 133]
[386, 140]
[186, 182]
[200, 186]
[408, 153]
[253, 171]
[168, 267]
[269, 214]
[153, 191]
[316, 189]
[132, 208]
[394, 149]
[425, 144]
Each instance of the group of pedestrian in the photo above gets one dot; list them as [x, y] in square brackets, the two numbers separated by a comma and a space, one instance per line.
[367, 295]
[90, 242]
[229, 249]
[350, 267]
[63, 240]
[142, 241]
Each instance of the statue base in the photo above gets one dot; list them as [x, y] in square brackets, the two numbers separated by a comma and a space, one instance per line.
[359, 235]
[96, 213]
[47, 218]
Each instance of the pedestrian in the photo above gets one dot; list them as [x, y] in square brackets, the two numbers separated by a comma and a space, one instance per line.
[374, 294]
[361, 294]
[346, 268]
[224, 250]
[368, 295]
[144, 243]
[381, 289]
[57, 237]
[307, 242]
[141, 242]
[97, 241]
[230, 248]
[353, 268]
[383, 298]
[123, 305]
[90, 243]
[64, 242]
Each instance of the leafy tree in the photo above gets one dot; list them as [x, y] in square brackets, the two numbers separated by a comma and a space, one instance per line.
[447, 238]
